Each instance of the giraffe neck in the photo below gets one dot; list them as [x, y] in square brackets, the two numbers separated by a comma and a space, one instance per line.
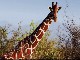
[42, 28]
[26, 46]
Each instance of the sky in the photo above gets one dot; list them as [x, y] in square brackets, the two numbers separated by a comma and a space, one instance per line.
[14, 11]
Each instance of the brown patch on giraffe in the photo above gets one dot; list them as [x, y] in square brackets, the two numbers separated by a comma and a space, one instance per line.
[29, 51]
[46, 21]
[34, 44]
[42, 26]
[19, 54]
[45, 28]
[26, 46]
[26, 40]
[29, 45]
[21, 43]
[14, 55]
[33, 38]
[50, 21]
[38, 32]
[40, 35]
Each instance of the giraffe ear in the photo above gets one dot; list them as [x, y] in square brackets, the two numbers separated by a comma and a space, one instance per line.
[50, 8]
[59, 8]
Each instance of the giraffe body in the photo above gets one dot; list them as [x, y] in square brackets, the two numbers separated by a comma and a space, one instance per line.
[26, 46]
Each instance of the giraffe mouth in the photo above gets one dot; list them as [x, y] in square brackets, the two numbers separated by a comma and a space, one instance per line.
[55, 19]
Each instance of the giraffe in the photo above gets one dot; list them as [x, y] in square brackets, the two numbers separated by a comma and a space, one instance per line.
[25, 47]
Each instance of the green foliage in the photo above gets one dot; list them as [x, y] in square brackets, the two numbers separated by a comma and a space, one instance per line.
[44, 50]
[32, 27]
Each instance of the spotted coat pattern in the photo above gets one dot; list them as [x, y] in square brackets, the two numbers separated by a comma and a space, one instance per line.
[26, 46]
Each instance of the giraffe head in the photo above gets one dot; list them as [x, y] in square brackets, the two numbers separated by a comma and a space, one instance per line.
[54, 10]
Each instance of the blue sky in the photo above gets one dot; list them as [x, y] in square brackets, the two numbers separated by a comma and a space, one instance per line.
[14, 11]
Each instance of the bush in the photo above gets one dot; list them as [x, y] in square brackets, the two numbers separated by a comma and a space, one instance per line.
[44, 50]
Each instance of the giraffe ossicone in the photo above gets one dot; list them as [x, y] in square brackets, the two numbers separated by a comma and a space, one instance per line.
[25, 47]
